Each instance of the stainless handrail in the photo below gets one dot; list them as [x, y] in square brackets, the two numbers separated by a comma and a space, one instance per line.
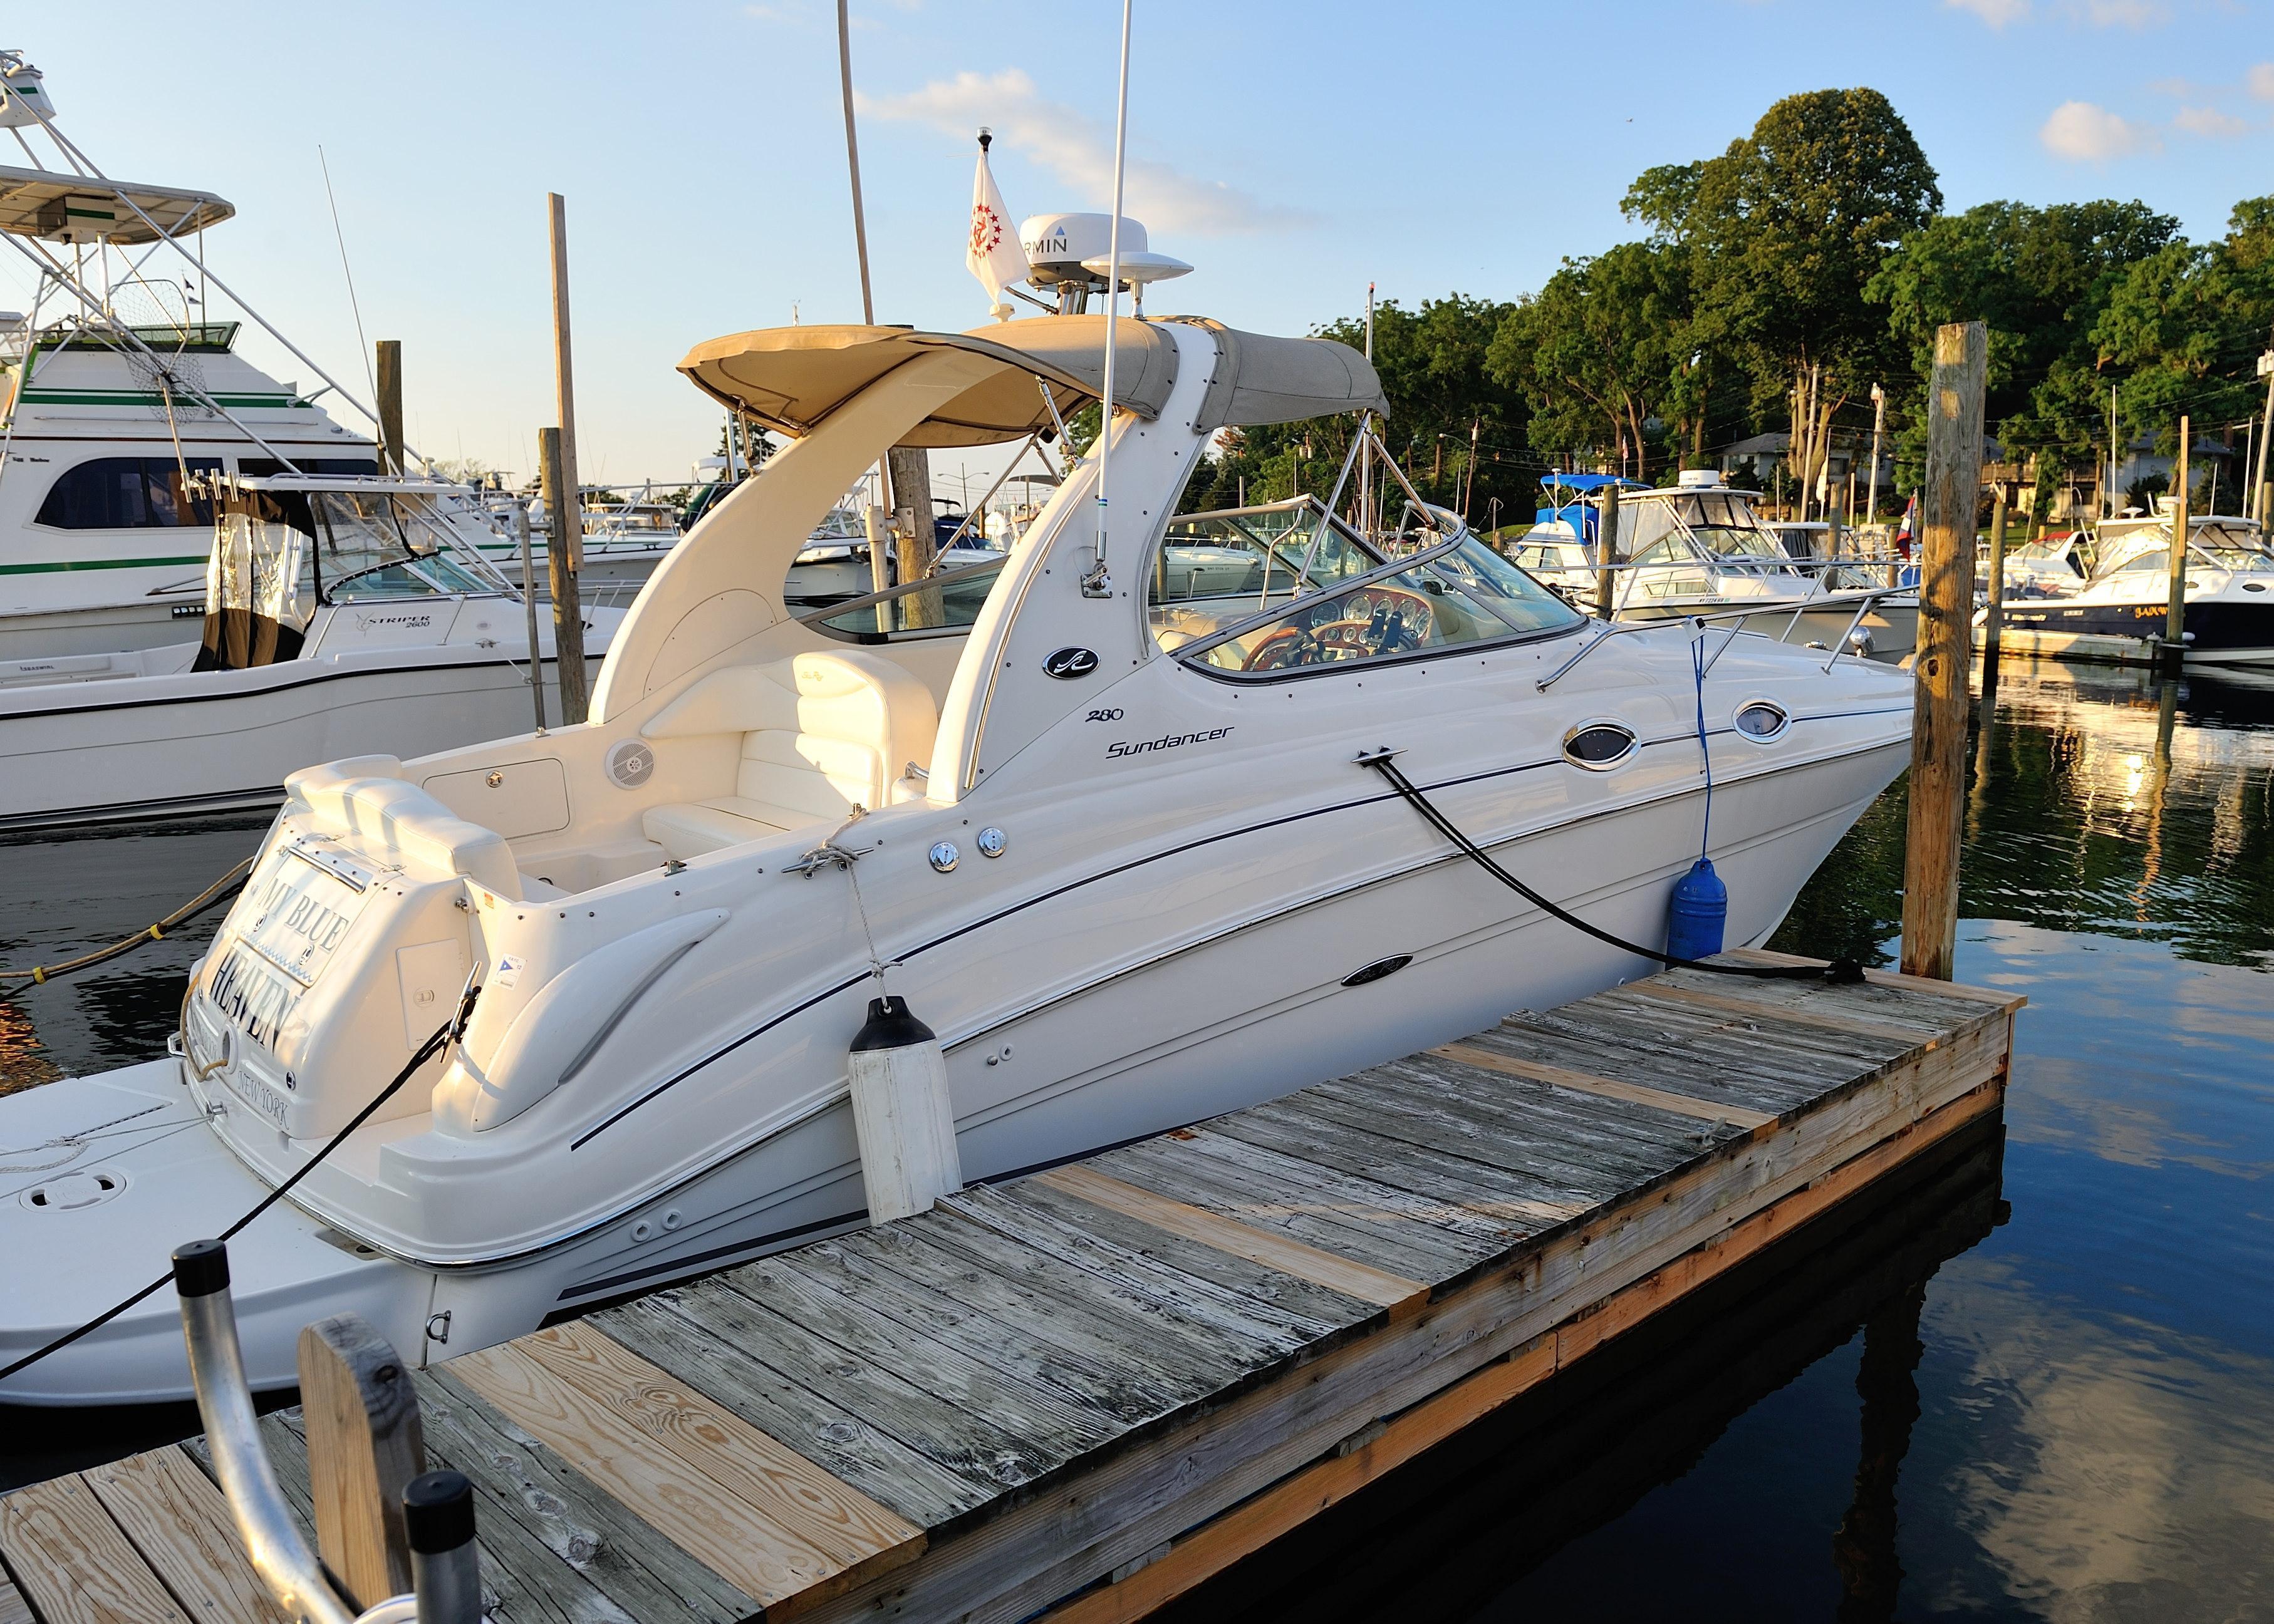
[264, 1522]
[438, 1506]
[1862, 597]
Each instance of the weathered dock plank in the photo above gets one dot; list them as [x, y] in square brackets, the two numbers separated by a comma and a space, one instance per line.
[1081, 1392]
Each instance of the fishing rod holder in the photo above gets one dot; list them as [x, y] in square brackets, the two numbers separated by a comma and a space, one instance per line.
[438, 1506]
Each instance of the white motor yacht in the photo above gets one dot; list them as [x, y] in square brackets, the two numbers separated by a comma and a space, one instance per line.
[1699, 547]
[2121, 610]
[126, 390]
[342, 614]
[1101, 821]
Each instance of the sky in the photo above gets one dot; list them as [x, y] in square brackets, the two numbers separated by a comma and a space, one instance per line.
[1292, 152]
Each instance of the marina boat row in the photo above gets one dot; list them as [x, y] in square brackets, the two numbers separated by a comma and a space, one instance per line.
[2117, 607]
[1701, 546]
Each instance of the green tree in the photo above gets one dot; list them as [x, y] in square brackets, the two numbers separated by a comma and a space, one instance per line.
[1785, 229]
[2041, 279]
[1605, 354]
[2185, 326]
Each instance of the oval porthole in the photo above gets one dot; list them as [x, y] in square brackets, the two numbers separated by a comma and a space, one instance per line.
[1761, 721]
[1379, 968]
[1598, 745]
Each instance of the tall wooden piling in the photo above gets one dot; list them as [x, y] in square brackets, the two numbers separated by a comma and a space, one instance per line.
[913, 539]
[1938, 782]
[390, 405]
[568, 515]
[2175, 612]
[1606, 553]
[561, 562]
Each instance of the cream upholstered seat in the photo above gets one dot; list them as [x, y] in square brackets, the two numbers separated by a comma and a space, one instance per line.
[821, 733]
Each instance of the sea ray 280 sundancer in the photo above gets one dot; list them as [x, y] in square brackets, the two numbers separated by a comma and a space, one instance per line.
[1094, 815]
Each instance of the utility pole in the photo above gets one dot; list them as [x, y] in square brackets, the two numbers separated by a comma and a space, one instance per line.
[1469, 485]
[2115, 458]
[1878, 428]
[2266, 432]
[1938, 785]
[2175, 613]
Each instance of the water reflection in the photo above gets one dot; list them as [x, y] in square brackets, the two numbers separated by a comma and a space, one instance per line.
[61, 897]
[2100, 800]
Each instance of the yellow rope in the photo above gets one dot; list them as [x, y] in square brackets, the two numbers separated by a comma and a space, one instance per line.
[39, 976]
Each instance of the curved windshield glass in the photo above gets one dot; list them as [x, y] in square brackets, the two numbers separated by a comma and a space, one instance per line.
[1286, 587]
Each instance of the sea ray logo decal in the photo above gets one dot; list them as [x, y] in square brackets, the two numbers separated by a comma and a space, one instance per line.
[1067, 663]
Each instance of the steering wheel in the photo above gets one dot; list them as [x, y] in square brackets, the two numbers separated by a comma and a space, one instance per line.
[1391, 617]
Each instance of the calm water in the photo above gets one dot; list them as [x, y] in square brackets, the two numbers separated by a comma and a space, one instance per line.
[2033, 1381]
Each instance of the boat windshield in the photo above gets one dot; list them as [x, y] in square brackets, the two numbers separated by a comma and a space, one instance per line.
[1285, 586]
[374, 543]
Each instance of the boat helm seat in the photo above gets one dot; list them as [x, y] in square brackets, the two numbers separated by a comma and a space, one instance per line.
[821, 734]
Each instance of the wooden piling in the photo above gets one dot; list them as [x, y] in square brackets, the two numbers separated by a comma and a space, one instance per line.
[1606, 553]
[390, 405]
[361, 1416]
[1997, 606]
[912, 548]
[568, 607]
[2175, 613]
[568, 516]
[1937, 782]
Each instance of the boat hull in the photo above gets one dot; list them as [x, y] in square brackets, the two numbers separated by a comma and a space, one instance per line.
[1245, 1013]
[2218, 633]
[74, 754]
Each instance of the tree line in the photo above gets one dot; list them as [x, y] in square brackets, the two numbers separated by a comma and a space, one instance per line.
[1770, 287]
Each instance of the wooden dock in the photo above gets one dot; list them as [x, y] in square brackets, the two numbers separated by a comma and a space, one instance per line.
[1080, 1392]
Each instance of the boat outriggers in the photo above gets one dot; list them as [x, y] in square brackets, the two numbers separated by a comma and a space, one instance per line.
[1100, 821]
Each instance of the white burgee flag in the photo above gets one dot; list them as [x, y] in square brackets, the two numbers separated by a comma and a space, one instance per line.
[993, 253]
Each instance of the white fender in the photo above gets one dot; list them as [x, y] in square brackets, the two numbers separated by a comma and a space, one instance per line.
[562, 1027]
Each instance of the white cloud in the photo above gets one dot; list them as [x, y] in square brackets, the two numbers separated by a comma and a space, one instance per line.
[1997, 13]
[2261, 81]
[1079, 150]
[2123, 14]
[2087, 133]
[2209, 121]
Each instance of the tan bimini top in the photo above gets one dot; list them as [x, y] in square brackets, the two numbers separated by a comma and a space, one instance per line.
[790, 379]
[80, 207]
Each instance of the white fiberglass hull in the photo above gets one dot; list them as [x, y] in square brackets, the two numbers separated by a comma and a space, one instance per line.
[1888, 628]
[1240, 1016]
[142, 747]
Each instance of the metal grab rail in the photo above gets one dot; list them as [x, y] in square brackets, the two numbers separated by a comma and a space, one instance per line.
[1863, 598]
[438, 1506]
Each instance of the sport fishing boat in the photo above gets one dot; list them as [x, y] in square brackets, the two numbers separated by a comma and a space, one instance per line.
[1700, 547]
[341, 614]
[126, 390]
[1104, 824]
[2121, 610]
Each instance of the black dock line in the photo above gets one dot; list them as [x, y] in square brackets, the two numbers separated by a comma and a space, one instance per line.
[1839, 973]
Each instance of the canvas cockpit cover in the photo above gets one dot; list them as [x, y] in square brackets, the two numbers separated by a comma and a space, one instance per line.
[790, 379]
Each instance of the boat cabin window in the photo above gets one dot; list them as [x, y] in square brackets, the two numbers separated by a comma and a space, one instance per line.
[121, 493]
[1287, 588]
[946, 603]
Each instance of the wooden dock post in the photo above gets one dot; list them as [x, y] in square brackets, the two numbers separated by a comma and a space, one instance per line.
[2175, 614]
[561, 563]
[569, 518]
[912, 532]
[1992, 620]
[1938, 782]
[1606, 553]
[361, 1413]
[390, 405]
